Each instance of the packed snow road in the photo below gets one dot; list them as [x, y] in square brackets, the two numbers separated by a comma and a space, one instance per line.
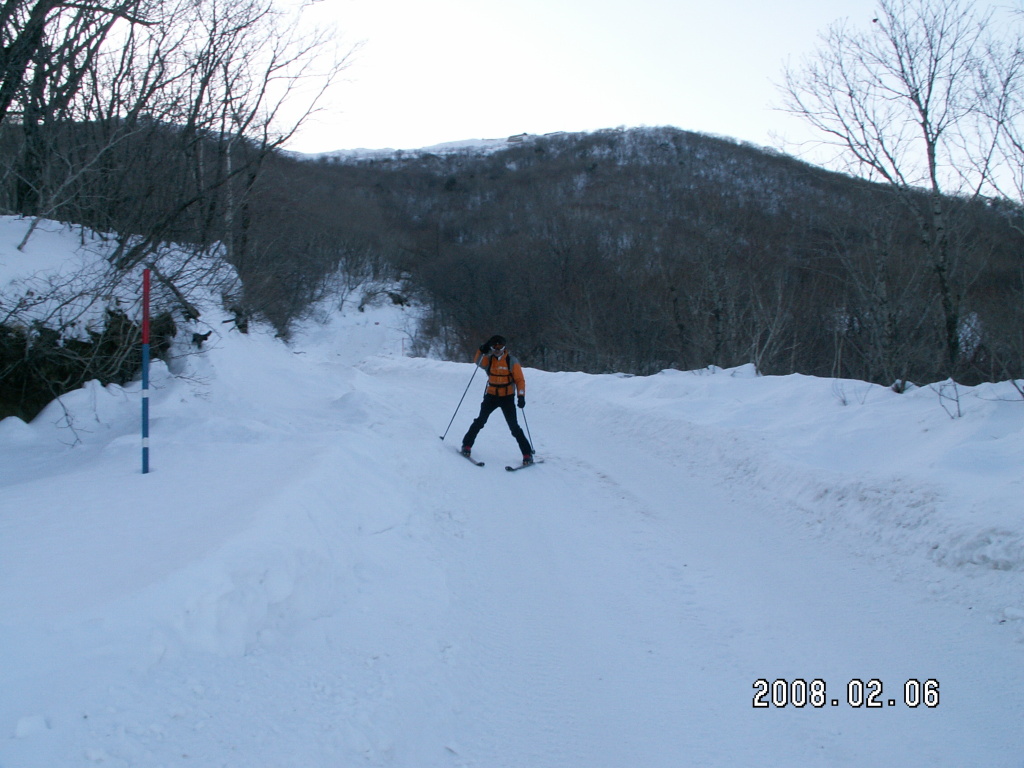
[620, 602]
[311, 578]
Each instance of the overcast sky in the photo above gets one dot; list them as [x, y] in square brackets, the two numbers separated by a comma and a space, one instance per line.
[433, 71]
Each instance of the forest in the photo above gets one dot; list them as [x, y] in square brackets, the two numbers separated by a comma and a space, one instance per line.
[157, 122]
[643, 249]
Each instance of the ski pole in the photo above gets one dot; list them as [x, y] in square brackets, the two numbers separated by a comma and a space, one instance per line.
[475, 369]
[528, 435]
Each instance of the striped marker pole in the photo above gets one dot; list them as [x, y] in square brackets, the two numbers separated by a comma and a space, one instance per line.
[145, 371]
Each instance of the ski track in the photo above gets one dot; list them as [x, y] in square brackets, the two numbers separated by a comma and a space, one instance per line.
[611, 608]
[722, 622]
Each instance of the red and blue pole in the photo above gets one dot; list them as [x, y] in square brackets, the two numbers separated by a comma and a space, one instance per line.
[145, 371]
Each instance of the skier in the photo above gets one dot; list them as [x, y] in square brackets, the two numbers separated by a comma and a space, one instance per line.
[504, 379]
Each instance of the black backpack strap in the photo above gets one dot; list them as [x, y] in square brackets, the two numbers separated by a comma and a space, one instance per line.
[511, 378]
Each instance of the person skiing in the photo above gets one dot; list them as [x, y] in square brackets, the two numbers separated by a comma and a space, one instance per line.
[504, 379]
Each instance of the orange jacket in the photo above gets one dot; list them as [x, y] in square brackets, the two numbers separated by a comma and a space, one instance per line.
[504, 373]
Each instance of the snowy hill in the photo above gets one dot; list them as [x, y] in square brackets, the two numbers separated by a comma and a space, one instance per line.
[466, 146]
[309, 577]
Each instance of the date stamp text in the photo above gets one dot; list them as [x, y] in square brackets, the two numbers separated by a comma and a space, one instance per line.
[857, 694]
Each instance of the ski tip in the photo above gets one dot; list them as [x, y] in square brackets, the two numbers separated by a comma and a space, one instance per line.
[524, 466]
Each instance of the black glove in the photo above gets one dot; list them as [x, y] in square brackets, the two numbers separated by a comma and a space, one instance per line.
[485, 347]
[522, 401]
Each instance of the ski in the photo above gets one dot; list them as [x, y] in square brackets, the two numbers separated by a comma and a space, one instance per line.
[468, 458]
[524, 466]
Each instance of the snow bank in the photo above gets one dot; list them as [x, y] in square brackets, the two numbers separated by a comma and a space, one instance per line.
[895, 470]
[62, 278]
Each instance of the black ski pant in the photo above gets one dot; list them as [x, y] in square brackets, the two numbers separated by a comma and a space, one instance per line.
[490, 404]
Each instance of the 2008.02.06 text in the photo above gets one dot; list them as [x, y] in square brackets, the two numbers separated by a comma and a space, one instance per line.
[859, 694]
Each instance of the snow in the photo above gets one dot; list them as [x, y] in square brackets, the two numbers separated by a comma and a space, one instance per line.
[61, 277]
[465, 146]
[310, 577]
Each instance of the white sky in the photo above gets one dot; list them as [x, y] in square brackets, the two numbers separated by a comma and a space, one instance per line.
[434, 71]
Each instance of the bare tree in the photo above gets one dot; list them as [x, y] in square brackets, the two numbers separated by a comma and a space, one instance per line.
[49, 52]
[899, 101]
[238, 75]
[151, 119]
[49, 45]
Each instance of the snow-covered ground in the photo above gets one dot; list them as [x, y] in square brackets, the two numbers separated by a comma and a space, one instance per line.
[310, 578]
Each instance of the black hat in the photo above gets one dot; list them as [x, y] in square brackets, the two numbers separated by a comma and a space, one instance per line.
[497, 341]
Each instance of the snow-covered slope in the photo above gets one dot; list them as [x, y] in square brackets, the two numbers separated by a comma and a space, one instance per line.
[309, 577]
[467, 146]
[60, 277]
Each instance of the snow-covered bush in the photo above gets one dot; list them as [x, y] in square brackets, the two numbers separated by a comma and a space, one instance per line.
[67, 315]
